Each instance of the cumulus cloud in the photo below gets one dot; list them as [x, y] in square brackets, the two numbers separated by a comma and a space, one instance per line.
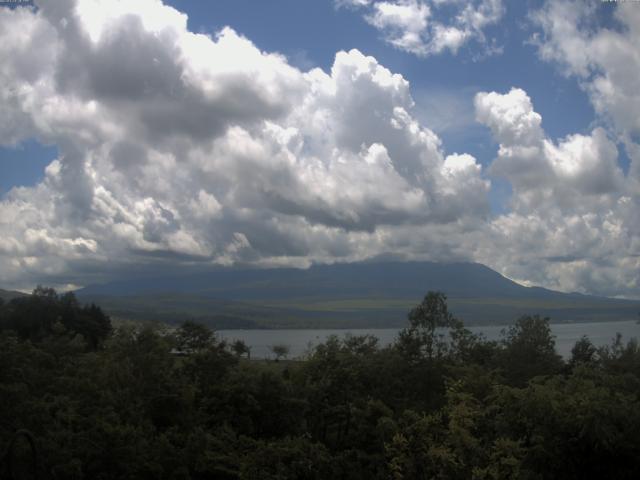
[573, 223]
[429, 27]
[584, 163]
[184, 149]
[605, 60]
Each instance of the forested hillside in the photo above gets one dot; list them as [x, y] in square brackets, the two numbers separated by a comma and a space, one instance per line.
[139, 402]
[7, 295]
[347, 295]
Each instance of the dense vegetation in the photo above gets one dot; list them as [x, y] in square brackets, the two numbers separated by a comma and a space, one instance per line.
[440, 403]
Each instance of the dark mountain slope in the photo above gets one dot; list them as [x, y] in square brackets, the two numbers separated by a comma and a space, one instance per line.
[344, 295]
[392, 279]
[7, 295]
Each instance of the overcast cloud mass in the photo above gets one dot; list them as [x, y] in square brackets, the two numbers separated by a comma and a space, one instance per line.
[179, 149]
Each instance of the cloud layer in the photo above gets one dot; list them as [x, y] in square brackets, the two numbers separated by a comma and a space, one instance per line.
[183, 150]
[178, 147]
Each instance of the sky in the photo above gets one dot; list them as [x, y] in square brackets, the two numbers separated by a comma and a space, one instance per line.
[149, 136]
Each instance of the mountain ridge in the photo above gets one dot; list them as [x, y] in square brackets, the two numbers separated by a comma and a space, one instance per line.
[7, 295]
[407, 276]
[364, 294]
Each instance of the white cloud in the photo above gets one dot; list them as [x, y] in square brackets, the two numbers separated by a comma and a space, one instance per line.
[352, 3]
[586, 163]
[181, 149]
[605, 60]
[404, 23]
[429, 27]
[571, 224]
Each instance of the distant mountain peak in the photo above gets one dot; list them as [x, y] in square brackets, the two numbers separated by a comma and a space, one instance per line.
[342, 295]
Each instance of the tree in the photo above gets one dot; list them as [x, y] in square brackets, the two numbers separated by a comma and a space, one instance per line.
[280, 350]
[576, 426]
[583, 351]
[41, 314]
[424, 336]
[240, 348]
[89, 321]
[32, 317]
[46, 293]
[620, 357]
[360, 344]
[193, 337]
[289, 458]
[529, 350]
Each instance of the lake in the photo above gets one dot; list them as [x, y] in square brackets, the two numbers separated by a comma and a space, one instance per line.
[300, 341]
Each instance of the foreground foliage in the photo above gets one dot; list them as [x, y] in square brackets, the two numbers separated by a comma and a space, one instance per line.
[439, 403]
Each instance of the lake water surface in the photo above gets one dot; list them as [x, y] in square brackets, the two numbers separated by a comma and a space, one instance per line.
[301, 341]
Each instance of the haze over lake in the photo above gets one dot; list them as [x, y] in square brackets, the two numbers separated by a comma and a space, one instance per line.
[300, 340]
